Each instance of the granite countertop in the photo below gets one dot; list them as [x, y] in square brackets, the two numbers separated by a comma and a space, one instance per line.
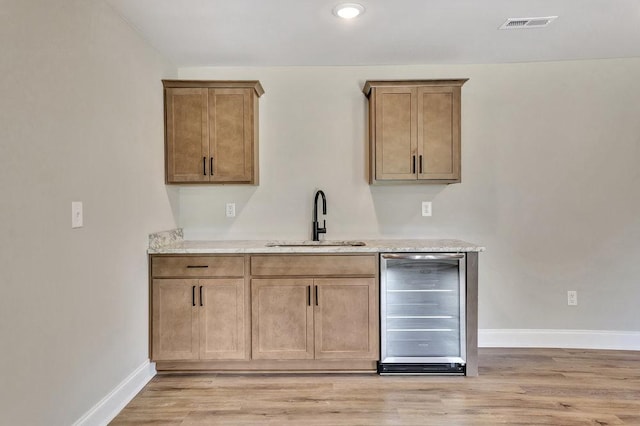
[172, 242]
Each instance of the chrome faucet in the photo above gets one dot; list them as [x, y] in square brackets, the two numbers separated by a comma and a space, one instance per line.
[316, 228]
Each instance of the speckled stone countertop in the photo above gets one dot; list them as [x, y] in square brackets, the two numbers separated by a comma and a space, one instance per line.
[176, 245]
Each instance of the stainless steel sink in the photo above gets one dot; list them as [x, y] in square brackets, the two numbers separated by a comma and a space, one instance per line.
[315, 244]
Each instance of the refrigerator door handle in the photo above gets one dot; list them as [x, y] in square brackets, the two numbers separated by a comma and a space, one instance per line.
[444, 256]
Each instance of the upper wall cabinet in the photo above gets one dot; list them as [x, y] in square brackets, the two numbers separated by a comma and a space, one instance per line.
[211, 131]
[414, 130]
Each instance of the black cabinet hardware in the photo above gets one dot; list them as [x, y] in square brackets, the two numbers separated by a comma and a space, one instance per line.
[211, 166]
[201, 296]
[204, 166]
[316, 295]
[197, 266]
[420, 164]
[308, 295]
[193, 295]
[413, 167]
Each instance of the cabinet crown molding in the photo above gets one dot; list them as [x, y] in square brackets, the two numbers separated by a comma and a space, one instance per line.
[370, 84]
[220, 84]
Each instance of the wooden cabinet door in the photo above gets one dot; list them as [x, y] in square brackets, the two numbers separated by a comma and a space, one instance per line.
[439, 133]
[223, 319]
[395, 133]
[231, 135]
[187, 135]
[282, 319]
[346, 319]
[175, 328]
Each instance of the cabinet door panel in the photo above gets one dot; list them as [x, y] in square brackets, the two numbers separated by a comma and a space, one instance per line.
[346, 319]
[439, 132]
[396, 138]
[174, 320]
[223, 321]
[282, 320]
[230, 130]
[187, 136]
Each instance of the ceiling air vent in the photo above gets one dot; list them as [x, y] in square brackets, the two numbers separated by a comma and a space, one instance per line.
[519, 23]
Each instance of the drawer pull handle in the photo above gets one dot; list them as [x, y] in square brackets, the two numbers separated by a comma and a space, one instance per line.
[444, 256]
[197, 266]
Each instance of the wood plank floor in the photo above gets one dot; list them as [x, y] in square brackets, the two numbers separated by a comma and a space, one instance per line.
[515, 387]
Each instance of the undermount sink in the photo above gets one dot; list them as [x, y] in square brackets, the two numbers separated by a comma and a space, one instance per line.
[315, 244]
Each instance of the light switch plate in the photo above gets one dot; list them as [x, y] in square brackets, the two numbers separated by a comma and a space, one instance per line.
[426, 208]
[76, 214]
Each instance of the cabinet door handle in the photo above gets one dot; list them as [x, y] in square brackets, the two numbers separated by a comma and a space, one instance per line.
[204, 166]
[316, 295]
[197, 266]
[211, 166]
[413, 167]
[420, 164]
[308, 295]
[193, 295]
[201, 296]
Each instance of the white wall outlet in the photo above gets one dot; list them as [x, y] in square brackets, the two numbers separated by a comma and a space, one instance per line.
[230, 210]
[426, 208]
[76, 214]
[572, 298]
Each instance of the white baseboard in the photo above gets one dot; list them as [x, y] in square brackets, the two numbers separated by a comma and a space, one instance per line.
[109, 407]
[570, 339]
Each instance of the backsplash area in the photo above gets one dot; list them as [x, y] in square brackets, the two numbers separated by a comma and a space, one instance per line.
[165, 238]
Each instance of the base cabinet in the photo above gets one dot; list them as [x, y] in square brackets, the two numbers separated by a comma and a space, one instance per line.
[296, 312]
[314, 318]
[198, 319]
[276, 312]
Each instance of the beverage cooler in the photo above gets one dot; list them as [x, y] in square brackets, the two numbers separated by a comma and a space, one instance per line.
[422, 313]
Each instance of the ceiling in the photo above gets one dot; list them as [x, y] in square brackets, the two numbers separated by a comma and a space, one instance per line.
[305, 32]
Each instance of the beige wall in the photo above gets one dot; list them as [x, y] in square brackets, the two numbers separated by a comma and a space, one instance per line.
[80, 120]
[550, 181]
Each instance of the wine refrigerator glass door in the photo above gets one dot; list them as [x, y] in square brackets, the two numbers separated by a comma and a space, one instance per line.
[423, 308]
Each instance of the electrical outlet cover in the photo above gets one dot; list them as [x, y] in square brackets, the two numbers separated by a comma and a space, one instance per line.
[230, 209]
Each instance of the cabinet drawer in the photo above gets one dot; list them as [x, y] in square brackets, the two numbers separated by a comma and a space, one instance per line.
[197, 266]
[314, 265]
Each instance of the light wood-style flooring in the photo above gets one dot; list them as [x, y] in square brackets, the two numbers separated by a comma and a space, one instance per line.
[515, 387]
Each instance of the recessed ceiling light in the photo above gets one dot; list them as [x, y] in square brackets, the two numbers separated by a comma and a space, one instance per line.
[348, 10]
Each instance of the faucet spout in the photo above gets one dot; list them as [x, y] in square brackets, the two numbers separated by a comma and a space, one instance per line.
[317, 230]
